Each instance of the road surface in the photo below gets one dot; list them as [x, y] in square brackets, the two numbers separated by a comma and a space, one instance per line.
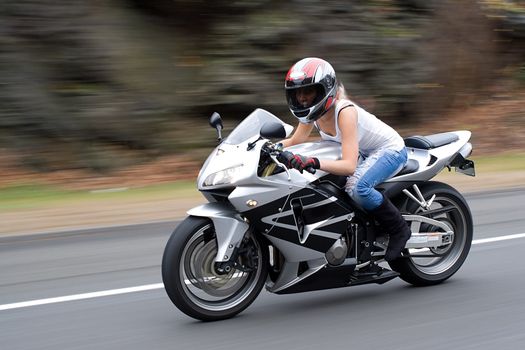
[481, 307]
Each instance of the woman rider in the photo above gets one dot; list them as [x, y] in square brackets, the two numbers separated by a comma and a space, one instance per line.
[317, 99]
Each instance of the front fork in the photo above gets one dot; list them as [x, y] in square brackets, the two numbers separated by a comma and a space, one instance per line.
[230, 229]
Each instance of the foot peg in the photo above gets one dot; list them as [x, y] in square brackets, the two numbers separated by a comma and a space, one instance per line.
[372, 273]
[369, 270]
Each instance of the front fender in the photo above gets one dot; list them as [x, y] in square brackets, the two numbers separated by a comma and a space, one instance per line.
[230, 228]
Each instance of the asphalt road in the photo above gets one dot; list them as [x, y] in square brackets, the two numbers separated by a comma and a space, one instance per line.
[481, 307]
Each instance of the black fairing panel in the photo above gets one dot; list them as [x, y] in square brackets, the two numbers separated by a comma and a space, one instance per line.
[328, 278]
[300, 209]
[338, 181]
[254, 215]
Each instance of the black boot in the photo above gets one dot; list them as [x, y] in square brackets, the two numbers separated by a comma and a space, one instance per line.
[390, 218]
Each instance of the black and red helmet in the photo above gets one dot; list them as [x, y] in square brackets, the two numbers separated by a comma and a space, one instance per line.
[315, 72]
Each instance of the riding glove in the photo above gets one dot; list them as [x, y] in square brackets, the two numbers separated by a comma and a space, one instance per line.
[299, 162]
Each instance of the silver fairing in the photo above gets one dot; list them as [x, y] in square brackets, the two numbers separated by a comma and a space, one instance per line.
[432, 161]
[300, 221]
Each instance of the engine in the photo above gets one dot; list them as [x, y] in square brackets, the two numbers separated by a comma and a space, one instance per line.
[336, 255]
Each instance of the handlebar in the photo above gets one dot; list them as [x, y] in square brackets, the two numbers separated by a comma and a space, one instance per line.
[310, 170]
[275, 150]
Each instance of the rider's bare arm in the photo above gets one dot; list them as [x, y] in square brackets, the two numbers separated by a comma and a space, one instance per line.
[300, 135]
[349, 145]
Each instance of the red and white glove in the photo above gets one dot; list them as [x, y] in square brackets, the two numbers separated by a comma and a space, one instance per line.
[299, 162]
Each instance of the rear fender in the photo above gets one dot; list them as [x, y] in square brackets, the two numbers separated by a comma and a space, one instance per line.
[229, 226]
[432, 161]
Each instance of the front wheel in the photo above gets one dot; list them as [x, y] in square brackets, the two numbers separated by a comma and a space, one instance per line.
[192, 281]
[423, 267]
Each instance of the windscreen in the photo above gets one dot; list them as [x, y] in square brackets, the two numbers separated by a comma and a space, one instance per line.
[250, 126]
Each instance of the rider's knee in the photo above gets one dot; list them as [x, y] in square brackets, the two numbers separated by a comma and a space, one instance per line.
[362, 189]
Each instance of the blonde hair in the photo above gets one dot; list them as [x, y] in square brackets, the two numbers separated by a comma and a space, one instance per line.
[341, 92]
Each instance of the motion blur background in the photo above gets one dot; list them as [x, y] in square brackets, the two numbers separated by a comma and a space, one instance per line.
[106, 92]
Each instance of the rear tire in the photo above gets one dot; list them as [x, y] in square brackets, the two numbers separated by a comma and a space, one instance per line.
[192, 282]
[436, 269]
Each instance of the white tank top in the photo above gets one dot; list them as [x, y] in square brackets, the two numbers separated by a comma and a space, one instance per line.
[373, 134]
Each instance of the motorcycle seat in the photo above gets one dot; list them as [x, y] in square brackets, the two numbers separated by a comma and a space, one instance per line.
[430, 141]
[411, 166]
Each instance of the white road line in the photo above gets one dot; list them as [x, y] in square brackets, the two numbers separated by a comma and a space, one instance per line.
[103, 293]
[146, 287]
[496, 239]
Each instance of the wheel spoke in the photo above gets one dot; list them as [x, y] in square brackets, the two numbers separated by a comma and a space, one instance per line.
[192, 281]
[442, 258]
[434, 212]
[204, 285]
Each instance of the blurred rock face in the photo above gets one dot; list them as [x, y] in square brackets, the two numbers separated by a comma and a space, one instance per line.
[108, 83]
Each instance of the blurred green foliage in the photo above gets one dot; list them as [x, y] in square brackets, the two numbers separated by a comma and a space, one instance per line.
[109, 83]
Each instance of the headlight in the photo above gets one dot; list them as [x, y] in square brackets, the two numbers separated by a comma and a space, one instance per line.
[226, 176]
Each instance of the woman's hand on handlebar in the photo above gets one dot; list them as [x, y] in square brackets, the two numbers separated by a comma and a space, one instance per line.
[299, 162]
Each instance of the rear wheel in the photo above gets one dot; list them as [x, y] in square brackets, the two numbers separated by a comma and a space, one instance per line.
[192, 281]
[423, 267]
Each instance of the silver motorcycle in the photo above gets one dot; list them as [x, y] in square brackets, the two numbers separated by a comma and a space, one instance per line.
[267, 225]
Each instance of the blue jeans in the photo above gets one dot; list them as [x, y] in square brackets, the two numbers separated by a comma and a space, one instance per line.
[376, 168]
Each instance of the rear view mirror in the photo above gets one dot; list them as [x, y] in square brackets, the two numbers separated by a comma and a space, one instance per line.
[216, 123]
[216, 120]
[273, 130]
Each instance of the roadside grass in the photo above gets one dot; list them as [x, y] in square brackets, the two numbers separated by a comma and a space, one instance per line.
[26, 196]
[500, 163]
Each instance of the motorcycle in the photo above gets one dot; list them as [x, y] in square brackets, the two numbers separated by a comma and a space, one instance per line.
[267, 225]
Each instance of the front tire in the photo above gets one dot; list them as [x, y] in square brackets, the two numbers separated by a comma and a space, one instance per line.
[442, 262]
[192, 282]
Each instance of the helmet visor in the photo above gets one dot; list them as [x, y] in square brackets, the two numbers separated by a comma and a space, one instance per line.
[304, 97]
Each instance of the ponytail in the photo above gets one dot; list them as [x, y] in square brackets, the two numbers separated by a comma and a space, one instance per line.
[341, 92]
